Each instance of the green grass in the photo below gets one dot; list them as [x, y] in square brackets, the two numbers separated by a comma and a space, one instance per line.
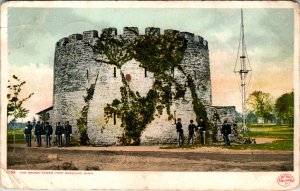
[270, 131]
[284, 133]
[276, 132]
[284, 145]
[19, 136]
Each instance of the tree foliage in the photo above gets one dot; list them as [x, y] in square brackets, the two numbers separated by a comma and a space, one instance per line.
[284, 107]
[160, 53]
[82, 120]
[45, 116]
[15, 102]
[261, 104]
[251, 117]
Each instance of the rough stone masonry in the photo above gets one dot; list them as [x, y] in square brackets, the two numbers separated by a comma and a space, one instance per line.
[77, 67]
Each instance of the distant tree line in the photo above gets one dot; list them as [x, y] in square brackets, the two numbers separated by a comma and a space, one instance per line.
[18, 125]
[261, 106]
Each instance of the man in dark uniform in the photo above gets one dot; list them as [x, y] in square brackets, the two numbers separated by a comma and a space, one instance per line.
[235, 131]
[68, 133]
[226, 131]
[58, 132]
[202, 128]
[48, 133]
[43, 131]
[192, 128]
[179, 132]
[38, 130]
[27, 133]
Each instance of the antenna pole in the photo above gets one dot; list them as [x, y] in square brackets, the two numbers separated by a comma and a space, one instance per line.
[243, 73]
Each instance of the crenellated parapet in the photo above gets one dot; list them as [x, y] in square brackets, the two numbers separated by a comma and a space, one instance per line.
[152, 31]
[89, 35]
[75, 37]
[131, 32]
[109, 31]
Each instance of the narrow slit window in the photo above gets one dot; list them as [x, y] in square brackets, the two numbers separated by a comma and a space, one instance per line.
[175, 117]
[115, 120]
[145, 72]
[115, 72]
[172, 71]
[87, 75]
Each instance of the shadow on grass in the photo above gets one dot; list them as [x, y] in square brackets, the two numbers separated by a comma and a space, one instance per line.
[283, 145]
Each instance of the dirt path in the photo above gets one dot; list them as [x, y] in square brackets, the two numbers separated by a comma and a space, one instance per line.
[149, 158]
[265, 140]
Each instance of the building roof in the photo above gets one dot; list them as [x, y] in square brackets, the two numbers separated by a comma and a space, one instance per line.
[45, 110]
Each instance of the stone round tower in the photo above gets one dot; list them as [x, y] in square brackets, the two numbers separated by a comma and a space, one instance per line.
[85, 82]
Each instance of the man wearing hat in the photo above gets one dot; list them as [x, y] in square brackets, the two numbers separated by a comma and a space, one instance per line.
[27, 134]
[48, 134]
[68, 133]
[179, 132]
[202, 128]
[38, 131]
[226, 131]
[58, 133]
[192, 128]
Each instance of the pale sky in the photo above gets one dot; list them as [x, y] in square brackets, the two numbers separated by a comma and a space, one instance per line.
[269, 36]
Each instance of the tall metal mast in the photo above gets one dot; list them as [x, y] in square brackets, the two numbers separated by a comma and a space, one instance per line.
[243, 71]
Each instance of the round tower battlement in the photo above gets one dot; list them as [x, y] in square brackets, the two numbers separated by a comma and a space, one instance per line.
[133, 32]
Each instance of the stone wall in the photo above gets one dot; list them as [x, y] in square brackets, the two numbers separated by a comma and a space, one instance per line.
[76, 68]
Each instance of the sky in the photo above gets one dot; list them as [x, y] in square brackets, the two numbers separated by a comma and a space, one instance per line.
[269, 37]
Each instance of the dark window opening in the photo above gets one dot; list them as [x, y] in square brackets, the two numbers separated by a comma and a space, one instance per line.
[115, 72]
[145, 72]
[87, 75]
[115, 120]
[175, 117]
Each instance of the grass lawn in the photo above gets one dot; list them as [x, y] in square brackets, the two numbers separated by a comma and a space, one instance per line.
[270, 131]
[19, 136]
[284, 133]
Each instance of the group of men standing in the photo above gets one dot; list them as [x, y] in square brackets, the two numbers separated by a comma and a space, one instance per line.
[225, 130]
[192, 128]
[46, 130]
[64, 133]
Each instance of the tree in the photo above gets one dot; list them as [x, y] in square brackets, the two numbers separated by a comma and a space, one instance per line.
[33, 121]
[15, 102]
[239, 117]
[251, 117]
[284, 108]
[261, 104]
[45, 116]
